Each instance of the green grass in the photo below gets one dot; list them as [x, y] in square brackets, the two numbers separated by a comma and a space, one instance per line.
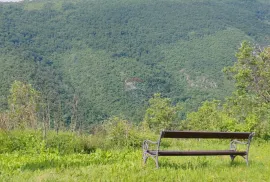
[126, 165]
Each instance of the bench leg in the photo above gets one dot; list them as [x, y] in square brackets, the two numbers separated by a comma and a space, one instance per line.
[154, 157]
[246, 158]
[157, 161]
[145, 157]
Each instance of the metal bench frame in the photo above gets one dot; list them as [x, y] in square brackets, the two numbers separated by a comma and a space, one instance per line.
[232, 152]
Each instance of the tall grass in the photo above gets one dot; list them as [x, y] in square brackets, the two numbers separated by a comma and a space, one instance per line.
[65, 159]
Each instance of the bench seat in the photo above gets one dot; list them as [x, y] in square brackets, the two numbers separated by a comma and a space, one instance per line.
[196, 152]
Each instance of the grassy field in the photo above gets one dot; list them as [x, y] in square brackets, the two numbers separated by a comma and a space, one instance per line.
[126, 165]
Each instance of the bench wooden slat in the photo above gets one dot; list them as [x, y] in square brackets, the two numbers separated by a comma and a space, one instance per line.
[197, 153]
[198, 134]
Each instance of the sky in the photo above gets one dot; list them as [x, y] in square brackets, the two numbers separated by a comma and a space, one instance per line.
[10, 0]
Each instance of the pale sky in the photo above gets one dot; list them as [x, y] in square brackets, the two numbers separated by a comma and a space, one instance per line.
[10, 0]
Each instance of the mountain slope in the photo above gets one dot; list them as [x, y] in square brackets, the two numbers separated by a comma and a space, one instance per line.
[114, 54]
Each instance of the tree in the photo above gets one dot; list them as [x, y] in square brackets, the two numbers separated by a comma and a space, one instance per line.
[208, 117]
[250, 103]
[215, 116]
[252, 72]
[247, 109]
[4, 121]
[160, 114]
[23, 105]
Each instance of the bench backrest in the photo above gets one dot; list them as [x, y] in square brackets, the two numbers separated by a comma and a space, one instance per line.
[204, 134]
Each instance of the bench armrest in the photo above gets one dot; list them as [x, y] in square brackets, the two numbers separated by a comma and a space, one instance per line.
[233, 144]
[238, 142]
[146, 144]
[149, 141]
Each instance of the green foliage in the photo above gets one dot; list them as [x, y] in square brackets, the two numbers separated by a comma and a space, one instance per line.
[64, 143]
[249, 114]
[218, 116]
[4, 121]
[251, 72]
[250, 103]
[21, 141]
[120, 133]
[160, 114]
[23, 105]
[207, 118]
[31, 142]
[248, 107]
[118, 40]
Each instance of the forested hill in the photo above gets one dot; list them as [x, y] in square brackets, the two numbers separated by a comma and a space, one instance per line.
[101, 58]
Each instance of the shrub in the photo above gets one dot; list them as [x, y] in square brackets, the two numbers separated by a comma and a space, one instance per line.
[29, 141]
[120, 133]
[17, 140]
[161, 114]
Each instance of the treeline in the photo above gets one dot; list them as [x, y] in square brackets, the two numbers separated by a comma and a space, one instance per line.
[247, 109]
[92, 60]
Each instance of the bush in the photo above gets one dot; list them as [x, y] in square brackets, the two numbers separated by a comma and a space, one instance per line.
[119, 133]
[28, 141]
[161, 114]
[18, 140]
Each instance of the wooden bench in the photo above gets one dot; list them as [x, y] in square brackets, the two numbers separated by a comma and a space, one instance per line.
[245, 138]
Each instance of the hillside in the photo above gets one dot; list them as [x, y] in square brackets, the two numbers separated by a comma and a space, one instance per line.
[113, 55]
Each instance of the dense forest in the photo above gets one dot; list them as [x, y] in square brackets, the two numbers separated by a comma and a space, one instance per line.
[92, 60]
